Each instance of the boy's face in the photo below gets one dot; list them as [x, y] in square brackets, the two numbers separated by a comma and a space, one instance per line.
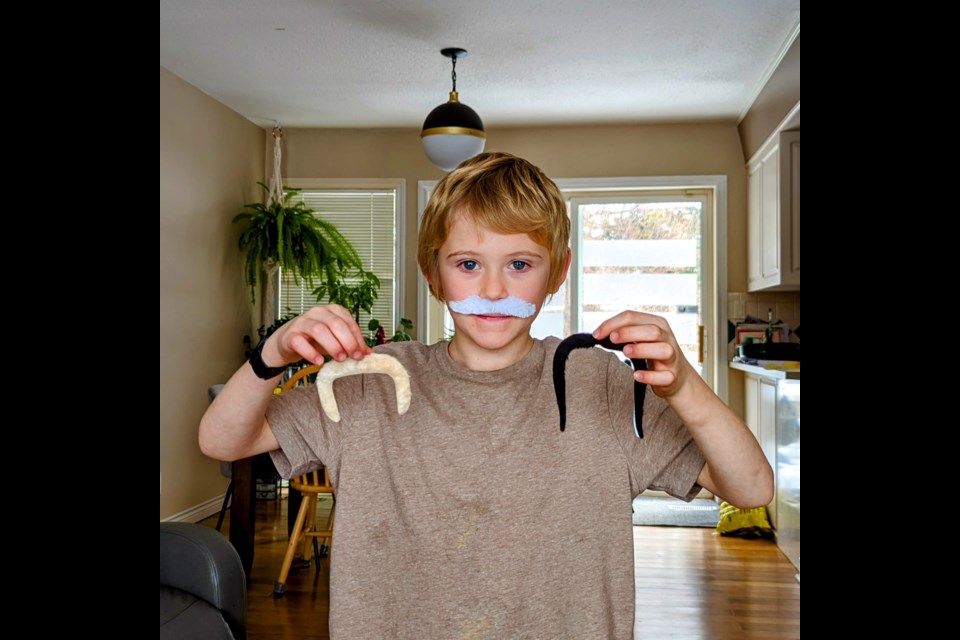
[475, 261]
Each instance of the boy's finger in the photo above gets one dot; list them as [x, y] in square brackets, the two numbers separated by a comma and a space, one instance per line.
[655, 378]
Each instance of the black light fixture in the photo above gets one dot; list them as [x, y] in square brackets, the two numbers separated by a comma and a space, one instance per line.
[453, 131]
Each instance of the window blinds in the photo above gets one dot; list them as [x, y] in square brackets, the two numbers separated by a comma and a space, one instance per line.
[367, 218]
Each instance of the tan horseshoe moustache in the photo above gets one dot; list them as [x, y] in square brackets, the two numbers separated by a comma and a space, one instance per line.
[373, 363]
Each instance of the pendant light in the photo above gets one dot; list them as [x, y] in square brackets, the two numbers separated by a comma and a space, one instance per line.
[453, 131]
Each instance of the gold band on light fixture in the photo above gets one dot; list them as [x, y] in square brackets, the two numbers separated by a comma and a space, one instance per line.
[455, 131]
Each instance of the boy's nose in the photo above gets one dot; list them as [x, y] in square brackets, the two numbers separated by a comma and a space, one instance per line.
[493, 288]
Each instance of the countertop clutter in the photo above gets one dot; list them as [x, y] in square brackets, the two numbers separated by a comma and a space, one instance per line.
[773, 356]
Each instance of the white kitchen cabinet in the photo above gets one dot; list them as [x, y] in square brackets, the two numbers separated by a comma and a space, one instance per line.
[767, 434]
[751, 402]
[773, 215]
[760, 407]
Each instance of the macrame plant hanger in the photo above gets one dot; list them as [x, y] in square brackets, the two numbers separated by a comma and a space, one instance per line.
[276, 183]
[274, 196]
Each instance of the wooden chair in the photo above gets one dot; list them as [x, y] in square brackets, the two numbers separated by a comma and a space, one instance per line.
[310, 485]
[301, 377]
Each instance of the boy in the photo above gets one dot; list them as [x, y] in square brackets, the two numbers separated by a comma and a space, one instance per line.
[472, 515]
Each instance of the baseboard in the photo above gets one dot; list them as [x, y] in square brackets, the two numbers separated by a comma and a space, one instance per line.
[198, 512]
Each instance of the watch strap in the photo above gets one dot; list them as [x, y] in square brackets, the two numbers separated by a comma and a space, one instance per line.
[260, 368]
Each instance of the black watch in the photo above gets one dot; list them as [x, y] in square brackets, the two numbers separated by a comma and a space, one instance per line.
[259, 366]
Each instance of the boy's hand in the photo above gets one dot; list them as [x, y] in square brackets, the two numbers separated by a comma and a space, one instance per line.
[329, 330]
[653, 340]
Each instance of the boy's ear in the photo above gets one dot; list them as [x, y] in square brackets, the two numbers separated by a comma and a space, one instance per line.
[563, 274]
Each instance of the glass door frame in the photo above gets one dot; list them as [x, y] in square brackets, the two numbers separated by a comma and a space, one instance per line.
[704, 263]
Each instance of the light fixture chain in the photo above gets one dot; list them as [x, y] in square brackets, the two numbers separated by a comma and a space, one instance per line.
[453, 74]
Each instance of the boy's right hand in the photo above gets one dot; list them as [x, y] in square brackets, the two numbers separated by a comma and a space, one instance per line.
[327, 330]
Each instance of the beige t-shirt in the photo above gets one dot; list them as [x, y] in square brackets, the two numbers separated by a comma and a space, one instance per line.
[472, 515]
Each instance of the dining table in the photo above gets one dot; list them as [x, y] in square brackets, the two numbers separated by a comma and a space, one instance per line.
[243, 508]
[243, 504]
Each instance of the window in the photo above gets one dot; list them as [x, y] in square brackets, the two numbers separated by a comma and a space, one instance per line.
[634, 251]
[369, 214]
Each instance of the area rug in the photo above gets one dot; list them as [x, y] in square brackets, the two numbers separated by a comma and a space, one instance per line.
[671, 512]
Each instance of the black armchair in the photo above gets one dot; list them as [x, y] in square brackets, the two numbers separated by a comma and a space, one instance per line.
[203, 588]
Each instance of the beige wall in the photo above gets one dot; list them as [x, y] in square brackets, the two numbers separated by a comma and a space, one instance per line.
[210, 160]
[775, 101]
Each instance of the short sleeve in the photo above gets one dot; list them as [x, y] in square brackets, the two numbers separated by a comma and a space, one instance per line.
[666, 458]
[307, 439]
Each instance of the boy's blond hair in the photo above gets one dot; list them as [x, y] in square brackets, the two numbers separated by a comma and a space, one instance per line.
[504, 194]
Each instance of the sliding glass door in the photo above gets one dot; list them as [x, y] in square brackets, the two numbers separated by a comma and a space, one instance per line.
[638, 252]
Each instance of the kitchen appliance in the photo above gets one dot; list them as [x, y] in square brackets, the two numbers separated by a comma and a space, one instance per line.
[788, 470]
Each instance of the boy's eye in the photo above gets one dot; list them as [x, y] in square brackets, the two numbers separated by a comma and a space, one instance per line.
[519, 265]
[468, 265]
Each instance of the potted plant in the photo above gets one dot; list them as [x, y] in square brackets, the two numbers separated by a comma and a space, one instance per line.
[288, 234]
[378, 333]
[359, 293]
[355, 292]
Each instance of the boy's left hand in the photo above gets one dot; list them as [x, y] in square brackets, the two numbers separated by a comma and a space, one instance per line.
[653, 340]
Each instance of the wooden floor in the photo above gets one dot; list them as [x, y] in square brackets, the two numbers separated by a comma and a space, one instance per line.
[691, 585]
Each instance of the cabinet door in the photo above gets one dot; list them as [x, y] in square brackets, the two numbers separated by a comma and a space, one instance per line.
[753, 224]
[790, 200]
[751, 401]
[770, 217]
[773, 215]
[767, 433]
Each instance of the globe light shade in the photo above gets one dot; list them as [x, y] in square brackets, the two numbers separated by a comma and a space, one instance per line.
[452, 133]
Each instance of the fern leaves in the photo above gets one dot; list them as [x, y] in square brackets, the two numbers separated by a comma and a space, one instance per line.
[291, 236]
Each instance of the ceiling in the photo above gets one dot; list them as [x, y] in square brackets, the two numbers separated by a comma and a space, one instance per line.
[376, 64]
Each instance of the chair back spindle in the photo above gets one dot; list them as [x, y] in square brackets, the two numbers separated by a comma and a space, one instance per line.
[311, 485]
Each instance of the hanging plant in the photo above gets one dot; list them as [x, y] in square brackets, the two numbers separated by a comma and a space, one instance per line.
[288, 234]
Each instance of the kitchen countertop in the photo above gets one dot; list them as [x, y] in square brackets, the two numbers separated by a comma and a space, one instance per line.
[770, 368]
